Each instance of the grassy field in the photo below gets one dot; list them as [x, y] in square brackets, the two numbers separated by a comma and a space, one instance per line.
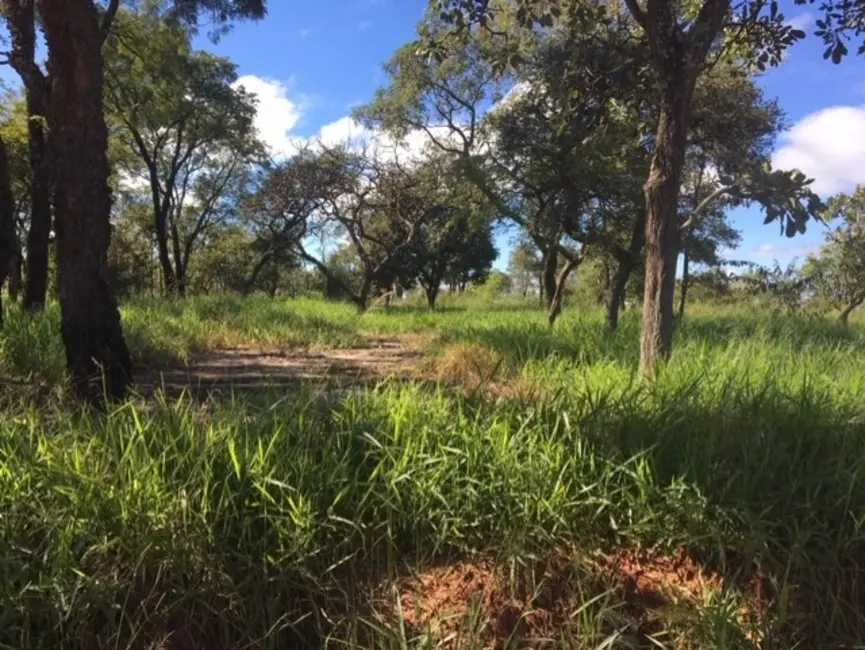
[528, 490]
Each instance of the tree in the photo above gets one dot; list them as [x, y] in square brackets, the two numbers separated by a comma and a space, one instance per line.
[680, 46]
[732, 132]
[192, 131]
[90, 321]
[838, 272]
[785, 287]
[455, 244]
[20, 16]
[455, 247]
[702, 245]
[525, 267]
[8, 235]
[91, 330]
[15, 135]
[130, 255]
[683, 41]
[841, 20]
[375, 205]
[541, 156]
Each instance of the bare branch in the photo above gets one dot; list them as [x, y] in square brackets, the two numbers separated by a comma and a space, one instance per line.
[108, 19]
[697, 212]
[637, 12]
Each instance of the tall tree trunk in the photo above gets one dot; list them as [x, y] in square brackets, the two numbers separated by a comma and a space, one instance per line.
[361, 299]
[626, 262]
[92, 334]
[686, 278]
[432, 292]
[40, 208]
[249, 283]
[662, 224]
[22, 30]
[844, 316]
[8, 237]
[551, 264]
[160, 224]
[179, 266]
[15, 276]
[559, 291]
[616, 292]
[679, 53]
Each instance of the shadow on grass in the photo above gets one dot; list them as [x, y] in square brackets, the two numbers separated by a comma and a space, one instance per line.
[232, 372]
[586, 341]
[243, 521]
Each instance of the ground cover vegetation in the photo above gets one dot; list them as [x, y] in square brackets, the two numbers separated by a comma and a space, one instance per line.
[253, 400]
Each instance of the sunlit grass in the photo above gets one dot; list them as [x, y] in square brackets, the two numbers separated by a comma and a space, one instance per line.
[268, 521]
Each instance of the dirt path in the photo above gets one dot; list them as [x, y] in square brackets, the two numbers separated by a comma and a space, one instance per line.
[252, 369]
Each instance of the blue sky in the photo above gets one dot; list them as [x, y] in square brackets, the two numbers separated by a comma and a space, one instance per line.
[310, 62]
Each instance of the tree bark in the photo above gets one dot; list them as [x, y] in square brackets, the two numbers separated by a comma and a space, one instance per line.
[8, 237]
[39, 236]
[179, 265]
[22, 30]
[249, 283]
[559, 292]
[160, 223]
[551, 264]
[679, 53]
[15, 276]
[432, 292]
[844, 316]
[626, 262]
[686, 278]
[616, 293]
[96, 353]
[274, 285]
[662, 225]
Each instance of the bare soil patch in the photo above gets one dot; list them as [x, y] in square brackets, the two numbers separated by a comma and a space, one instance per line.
[631, 594]
[256, 368]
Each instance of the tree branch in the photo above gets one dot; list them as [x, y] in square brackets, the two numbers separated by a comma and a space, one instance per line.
[108, 19]
[637, 12]
[697, 212]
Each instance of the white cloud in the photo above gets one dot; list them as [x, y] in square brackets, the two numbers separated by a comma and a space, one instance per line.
[364, 25]
[764, 250]
[344, 130]
[351, 133]
[802, 21]
[277, 114]
[829, 146]
[514, 92]
[305, 33]
[785, 251]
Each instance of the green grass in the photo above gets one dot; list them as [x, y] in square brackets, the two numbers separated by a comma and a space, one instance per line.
[281, 518]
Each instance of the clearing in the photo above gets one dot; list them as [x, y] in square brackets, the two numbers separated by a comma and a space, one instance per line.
[243, 369]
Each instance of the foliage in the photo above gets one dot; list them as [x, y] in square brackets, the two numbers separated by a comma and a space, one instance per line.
[524, 266]
[388, 212]
[785, 287]
[190, 130]
[216, 512]
[837, 273]
[841, 20]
